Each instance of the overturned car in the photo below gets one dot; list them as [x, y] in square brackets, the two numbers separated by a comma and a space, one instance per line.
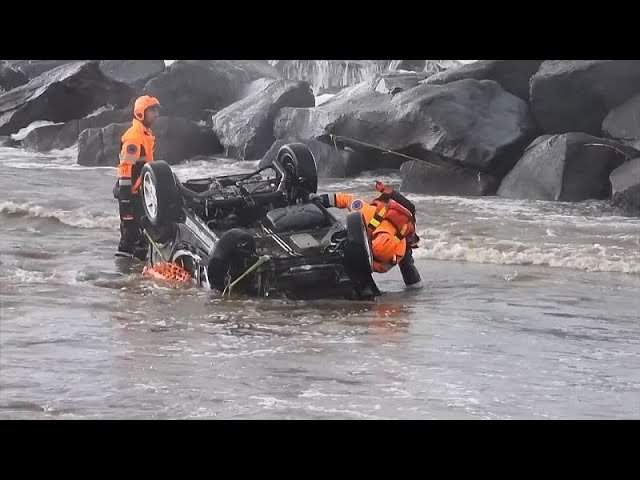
[258, 233]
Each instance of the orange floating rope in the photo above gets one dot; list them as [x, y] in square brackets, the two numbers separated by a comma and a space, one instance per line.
[167, 271]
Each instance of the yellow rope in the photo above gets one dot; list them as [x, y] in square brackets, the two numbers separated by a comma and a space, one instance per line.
[154, 245]
[260, 261]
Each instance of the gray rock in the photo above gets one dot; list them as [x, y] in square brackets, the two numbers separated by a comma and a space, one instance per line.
[623, 123]
[34, 68]
[576, 95]
[568, 167]
[512, 75]
[56, 137]
[474, 123]
[177, 139]
[65, 93]
[245, 128]
[189, 87]
[396, 82]
[625, 183]
[135, 73]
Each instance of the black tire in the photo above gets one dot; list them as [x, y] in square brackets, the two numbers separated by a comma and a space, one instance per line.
[161, 200]
[301, 165]
[358, 256]
[160, 195]
[232, 251]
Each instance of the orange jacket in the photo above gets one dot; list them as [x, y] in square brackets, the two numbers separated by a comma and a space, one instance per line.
[387, 246]
[137, 146]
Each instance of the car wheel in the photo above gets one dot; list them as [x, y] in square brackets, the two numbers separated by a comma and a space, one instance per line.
[160, 198]
[299, 162]
[232, 252]
[358, 256]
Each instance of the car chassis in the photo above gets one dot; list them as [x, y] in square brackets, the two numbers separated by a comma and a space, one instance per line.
[258, 234]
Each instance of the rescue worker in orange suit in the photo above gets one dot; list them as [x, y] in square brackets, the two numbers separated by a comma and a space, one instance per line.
[390, 220]
[136, 149]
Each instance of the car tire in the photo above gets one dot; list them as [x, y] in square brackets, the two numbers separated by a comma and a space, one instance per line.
[300, 162]
[358, 256]
[160, 198]
[229, 257]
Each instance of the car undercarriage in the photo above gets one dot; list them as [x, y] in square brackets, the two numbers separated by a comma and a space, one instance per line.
[260, 233]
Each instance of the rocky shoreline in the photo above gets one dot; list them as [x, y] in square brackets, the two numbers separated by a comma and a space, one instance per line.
[558, 130]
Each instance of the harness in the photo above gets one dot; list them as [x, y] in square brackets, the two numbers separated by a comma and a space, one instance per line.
[400, 212]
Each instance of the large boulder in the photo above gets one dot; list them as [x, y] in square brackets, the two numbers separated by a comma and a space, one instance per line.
[474, 123]
[576, 95]
[68, 92]
[34, 68]
[57, 137]
[396, 82]
[177, 139]
[438, 179]
[135, 73]
[245, 128]
[569, 167]
[189, 87]
[256, 86]
[10, 77]
[512, 75]
[623, 123]
[625, 187]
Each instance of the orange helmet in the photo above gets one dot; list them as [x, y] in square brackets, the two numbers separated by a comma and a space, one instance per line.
[142, 103]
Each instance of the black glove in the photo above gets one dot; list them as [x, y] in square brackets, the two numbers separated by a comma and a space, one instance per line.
[321, 199]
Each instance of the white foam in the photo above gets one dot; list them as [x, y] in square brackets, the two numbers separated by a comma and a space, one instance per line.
[98, 111]
[23, 132]
[439, 245]
[364, 180]
[64, 159]
[320, 99]
[76, 218]
[29, 276]
[591, 213]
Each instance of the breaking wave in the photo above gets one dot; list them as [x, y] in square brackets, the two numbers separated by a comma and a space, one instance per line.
[79, 218]
[439, 245]
[20, 275]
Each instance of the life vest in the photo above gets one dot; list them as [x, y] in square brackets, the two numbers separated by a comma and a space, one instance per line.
[388, 207]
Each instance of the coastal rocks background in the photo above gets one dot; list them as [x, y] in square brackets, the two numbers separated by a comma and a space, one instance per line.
[568, 167]
[176, 139]
[245, 128]
[560, 130]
